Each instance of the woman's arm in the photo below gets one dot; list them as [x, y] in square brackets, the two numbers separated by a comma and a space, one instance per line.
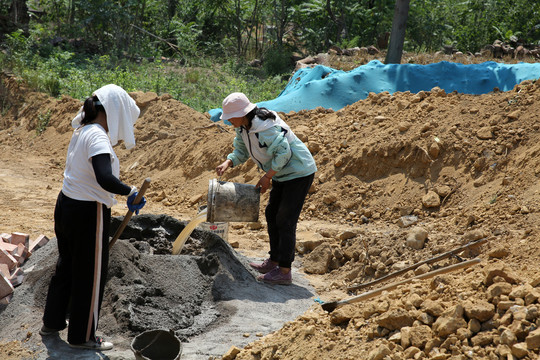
[104, 176]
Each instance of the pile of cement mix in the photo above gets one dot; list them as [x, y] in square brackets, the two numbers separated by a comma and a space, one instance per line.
[149, 288]
[207, 296]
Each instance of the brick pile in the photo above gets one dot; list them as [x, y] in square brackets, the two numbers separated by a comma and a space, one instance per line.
[15, 248]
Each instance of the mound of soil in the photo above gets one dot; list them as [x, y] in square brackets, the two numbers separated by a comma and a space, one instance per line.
[402, 178]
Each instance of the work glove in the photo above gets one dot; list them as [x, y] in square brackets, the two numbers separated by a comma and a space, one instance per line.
[135, 207]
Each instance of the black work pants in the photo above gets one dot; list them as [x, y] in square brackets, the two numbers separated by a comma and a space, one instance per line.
[82, 233]
[282, 213]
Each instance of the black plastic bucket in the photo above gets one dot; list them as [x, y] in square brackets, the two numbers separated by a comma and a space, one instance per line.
[157, 344]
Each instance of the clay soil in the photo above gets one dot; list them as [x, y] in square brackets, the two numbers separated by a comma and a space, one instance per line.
[462, 167]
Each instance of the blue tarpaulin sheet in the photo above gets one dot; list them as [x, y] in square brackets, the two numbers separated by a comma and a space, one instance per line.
[323, 86]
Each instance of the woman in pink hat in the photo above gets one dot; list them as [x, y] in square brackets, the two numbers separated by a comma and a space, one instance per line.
[287, 165]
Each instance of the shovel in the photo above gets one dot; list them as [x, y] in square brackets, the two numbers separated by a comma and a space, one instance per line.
[124, 223]
[331, 306]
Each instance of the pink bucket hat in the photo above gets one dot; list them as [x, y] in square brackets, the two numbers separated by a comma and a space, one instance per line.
[236, 105]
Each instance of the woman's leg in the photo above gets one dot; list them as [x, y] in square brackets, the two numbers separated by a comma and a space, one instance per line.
[282, 215]
[56, 306]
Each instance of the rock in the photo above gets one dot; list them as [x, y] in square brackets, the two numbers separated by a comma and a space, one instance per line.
[520, 291]
[231, 353]
[498, 269]
[329, 199]
[480, 310]
[514, 115]
[519, 350]
[404, 126]
[499, 253]
[379, 352]
[473, 235]
[395, 319]
[508, 337]
[433, 308]
[416, 238]
[416, 336]
[434, 150]
[378, 119]
[498, 289]
[422, 269]
[431, 200]
[474, 326]
[345, 235]
[318, 261]
[192, 201]
[407, 220]
[314, 147]
[410, 352]
[254, 225]
[425, 318]
[484, 133]
[306, 246]
[482, 339]
[533, 340]
[342, 314]
[450, 321]
[532, 296]
[443, 190]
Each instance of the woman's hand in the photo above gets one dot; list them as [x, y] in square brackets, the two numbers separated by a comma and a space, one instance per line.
[264, 182]
[223, 167]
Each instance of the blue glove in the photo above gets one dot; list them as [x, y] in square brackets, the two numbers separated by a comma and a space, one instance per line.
[135, 207]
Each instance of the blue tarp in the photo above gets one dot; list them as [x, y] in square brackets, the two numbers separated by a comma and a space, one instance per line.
[329, 88]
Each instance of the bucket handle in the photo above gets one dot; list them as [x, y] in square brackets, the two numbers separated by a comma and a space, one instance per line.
[139, 352]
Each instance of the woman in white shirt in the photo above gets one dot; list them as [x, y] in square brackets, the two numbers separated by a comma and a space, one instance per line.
[83, 212]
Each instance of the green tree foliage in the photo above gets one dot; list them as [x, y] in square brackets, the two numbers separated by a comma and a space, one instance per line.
[74, 41]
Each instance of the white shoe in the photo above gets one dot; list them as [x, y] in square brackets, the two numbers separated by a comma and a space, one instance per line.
[98, 344]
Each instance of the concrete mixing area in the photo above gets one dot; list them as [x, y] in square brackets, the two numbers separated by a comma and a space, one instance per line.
[208, 295]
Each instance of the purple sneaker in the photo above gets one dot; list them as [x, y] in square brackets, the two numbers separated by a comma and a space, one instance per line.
[264, 267]
[275, 276]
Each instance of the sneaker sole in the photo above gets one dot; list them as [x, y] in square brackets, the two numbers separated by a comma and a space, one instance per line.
[47, 333]
[90, 347]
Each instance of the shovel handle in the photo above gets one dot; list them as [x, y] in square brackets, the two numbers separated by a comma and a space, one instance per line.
[367, 295]
[124, 223]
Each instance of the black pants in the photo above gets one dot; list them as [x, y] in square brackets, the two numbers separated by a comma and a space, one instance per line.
[82, 232]
[282, 213]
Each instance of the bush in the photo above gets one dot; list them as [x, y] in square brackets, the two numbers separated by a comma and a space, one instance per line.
[277, 61]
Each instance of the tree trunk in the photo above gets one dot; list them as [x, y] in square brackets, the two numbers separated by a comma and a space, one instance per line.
[397, 37]
[18, 13]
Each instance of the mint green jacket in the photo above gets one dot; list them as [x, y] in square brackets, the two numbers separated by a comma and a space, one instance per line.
[271, 144]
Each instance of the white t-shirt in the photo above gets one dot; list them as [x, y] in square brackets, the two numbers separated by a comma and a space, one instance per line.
[79, 178]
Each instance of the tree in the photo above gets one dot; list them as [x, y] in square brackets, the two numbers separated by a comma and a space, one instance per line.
[397, 36]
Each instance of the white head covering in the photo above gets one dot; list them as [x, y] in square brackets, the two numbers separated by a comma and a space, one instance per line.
[122, 112]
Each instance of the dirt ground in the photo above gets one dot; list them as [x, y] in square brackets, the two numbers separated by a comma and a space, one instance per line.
[434, 169]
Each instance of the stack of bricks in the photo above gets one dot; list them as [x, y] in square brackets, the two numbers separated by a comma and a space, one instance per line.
[15, 248]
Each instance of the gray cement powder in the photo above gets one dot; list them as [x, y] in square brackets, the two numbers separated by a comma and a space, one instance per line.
[207, 295]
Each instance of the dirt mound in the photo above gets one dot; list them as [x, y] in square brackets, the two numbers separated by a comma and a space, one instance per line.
[452, 167]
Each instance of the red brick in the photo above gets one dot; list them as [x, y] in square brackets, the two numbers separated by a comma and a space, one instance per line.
[5, 287]
[10, 248]
[20, 238]
[6, 258]
[5, 270]
[41, 240]
[22, 253]
[6, 237]
[17, 277]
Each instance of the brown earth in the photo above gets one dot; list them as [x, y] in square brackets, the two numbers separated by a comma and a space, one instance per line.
[463, 167]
